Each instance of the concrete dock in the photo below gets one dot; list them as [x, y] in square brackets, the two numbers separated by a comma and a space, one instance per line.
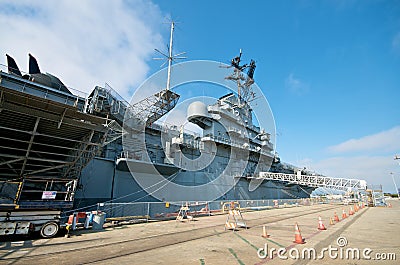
[370, 236]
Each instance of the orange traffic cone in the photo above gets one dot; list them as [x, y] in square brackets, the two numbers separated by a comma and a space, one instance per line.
[351, 211]
[265, 234]
[344, 215]
[336, 217]
[389, 205]
[331, 221]
[297, 236]
[320, 224]
[355, 208]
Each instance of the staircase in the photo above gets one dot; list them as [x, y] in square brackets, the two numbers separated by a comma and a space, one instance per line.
[154, 107]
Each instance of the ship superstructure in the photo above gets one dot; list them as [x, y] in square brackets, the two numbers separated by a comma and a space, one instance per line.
[154, 160]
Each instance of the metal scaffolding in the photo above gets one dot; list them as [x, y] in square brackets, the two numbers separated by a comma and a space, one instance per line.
[154, 107]
[43, 137]
[106, 102]
[315, 181]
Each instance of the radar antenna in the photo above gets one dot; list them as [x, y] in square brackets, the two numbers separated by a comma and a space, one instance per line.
[243, 81]
[170, 57]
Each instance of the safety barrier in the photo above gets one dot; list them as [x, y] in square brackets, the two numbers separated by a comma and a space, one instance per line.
[144, 211]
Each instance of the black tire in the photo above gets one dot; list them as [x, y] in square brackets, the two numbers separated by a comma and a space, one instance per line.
[49, 229]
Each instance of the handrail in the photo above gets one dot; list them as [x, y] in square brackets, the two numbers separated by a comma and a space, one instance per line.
[315, 181]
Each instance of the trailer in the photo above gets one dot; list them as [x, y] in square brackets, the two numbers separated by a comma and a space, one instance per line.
[35, 205]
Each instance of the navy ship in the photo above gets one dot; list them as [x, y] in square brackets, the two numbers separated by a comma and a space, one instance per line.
[128, 153]
[157, 161]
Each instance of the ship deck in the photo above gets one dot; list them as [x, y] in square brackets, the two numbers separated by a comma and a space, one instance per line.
[45, 141]
[40, 136]
[204, 241]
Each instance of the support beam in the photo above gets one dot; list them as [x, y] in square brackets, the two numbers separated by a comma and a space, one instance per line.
[62, 118]
[30, 145]
[11, 161]
[42, 134]
[33, 158]
[80, 153]
[1, 100]
[42, 144]
[53, 117]
[48, 169]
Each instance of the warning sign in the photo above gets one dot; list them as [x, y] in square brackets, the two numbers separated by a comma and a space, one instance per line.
[49, 195]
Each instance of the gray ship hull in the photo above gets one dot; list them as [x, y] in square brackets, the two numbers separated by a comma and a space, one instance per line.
[101, 181]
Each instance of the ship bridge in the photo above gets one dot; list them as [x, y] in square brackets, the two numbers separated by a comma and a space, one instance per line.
[314, 181]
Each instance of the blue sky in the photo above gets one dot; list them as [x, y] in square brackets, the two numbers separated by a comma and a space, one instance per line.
[329, 69]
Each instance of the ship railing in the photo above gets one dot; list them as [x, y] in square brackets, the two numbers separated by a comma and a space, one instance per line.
[157, 127]
[269, 145]
[189, 142]
[77, 98]
[233, 115]
[118, 106]
[135, 155]
[115, 94]
[227, 111]
[168, 127]
[236, 131]
[315, 180]
[38, 193]
[237, 144]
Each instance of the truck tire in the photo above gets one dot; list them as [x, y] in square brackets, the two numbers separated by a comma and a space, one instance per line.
[49, 229]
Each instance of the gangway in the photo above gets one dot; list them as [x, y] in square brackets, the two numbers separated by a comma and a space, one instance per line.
[314, 181]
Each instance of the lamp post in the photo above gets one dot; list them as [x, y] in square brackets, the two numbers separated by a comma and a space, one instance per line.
[398, 196]
[396, 157]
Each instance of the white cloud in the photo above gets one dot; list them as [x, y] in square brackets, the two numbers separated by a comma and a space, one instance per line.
[296, 85]
[370, 158]
[386, 141]
[374, 169]
[84, 43]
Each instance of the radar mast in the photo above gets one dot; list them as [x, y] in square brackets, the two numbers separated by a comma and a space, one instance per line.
[243, 81]
[170, 57]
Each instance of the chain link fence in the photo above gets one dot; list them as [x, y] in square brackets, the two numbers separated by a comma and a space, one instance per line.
[148, 211]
